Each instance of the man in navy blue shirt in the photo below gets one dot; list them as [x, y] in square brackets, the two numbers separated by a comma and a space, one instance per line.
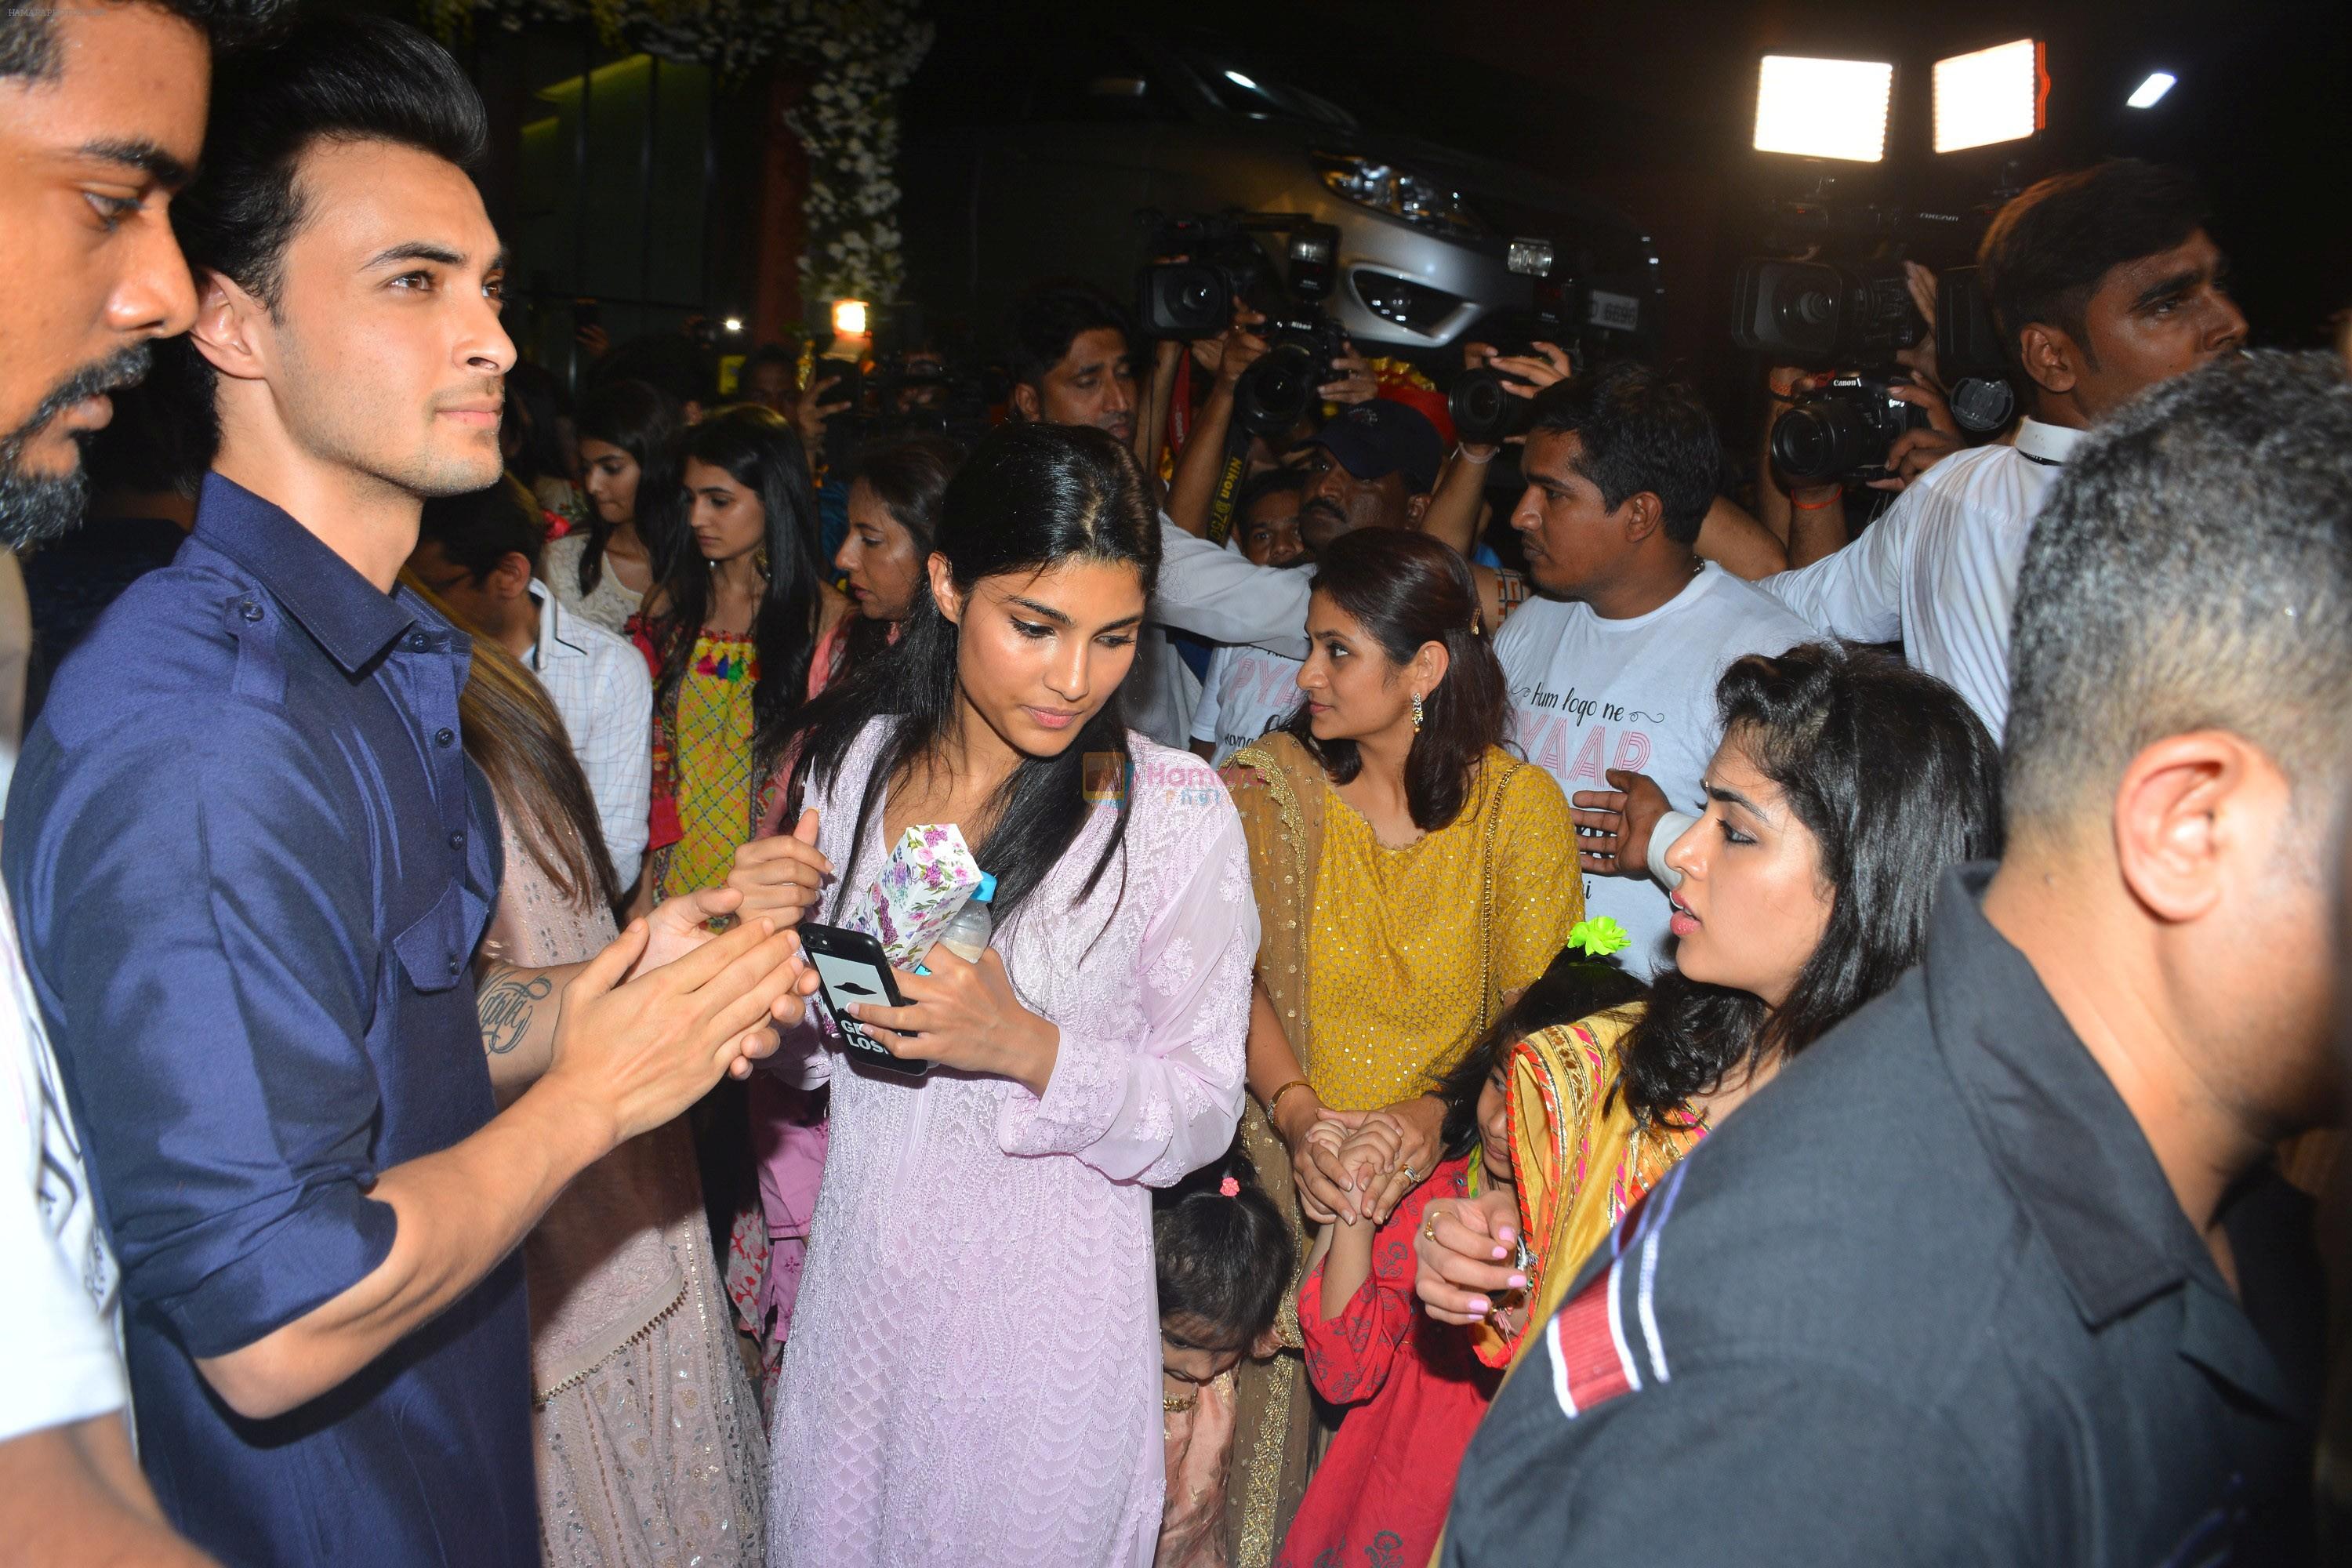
[2001, 1271]
[252, 865]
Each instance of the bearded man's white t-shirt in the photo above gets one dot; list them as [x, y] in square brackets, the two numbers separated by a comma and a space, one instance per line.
[1590, 694]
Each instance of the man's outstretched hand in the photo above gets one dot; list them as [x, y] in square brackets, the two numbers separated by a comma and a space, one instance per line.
[1619, 821]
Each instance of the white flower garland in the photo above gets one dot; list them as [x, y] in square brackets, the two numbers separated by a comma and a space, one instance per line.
[859, 53]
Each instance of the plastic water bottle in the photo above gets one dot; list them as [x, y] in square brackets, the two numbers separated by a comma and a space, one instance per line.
[967, 935]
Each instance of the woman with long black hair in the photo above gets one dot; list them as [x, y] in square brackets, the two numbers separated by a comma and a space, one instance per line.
[1846, 784]
[629, 432]
[971, 1372]
[730, 631]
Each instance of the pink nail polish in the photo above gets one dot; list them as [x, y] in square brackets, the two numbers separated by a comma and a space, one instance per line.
[1518, 1281]
[1478, 1306]
[1497, 1255]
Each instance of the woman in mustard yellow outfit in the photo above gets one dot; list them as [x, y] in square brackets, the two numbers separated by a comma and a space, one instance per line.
[1411, 878]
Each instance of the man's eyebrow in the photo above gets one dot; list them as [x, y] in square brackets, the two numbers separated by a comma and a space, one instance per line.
[415, 250]
[427, 250]
[2168, 287]
[144, 156]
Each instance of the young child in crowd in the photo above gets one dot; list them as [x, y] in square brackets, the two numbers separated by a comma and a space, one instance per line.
[1223, 1258]
[1414, 1386]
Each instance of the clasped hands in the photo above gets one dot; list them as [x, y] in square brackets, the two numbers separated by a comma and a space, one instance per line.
[1358, 1165]
[649, 1024]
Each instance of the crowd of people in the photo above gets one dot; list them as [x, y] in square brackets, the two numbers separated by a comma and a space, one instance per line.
[424, 1141]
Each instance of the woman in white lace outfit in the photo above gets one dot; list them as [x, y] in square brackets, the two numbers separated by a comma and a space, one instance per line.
[973, 1375]
[649, 1446]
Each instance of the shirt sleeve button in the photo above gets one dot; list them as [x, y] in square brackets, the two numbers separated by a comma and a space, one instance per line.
[443, 736]
[455, 963]
[457, 839]
[249, 610]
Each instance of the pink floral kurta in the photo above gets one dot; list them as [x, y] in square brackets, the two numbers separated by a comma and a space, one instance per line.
[974, 1371]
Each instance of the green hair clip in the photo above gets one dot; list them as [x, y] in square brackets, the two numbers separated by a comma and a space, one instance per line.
[1599, 938]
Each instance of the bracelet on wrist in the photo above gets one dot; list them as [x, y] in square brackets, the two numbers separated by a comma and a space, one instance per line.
[1462, 451]
[1274, 1100]
[1830, 499]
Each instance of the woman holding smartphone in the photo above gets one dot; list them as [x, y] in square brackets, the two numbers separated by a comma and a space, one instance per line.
[975, 1359]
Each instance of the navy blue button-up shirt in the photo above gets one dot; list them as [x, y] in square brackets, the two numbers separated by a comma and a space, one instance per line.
[249, 881]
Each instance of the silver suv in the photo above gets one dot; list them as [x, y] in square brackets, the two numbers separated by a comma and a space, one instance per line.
[1036, 164]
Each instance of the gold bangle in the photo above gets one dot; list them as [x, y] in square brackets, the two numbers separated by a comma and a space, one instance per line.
[1273, 1099]
[1177, 1405]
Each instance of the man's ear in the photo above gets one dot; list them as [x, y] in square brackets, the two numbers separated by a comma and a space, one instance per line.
[944, 593]
[1643, 514]
[1415, 509]
[511, 578]
[2052, 357]
[2189, 811]
[1024, 401]
[229, 327]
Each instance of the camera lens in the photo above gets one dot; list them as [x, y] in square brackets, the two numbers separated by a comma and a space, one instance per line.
[1483, 411]
[1816, 441]
[1198, 296]
[1273, 393]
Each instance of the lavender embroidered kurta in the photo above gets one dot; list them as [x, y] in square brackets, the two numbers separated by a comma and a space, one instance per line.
[974, 1363]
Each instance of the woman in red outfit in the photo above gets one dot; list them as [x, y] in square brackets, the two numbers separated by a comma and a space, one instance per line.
[1415, 1388]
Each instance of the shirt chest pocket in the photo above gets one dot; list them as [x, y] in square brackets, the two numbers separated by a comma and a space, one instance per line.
[435, 947]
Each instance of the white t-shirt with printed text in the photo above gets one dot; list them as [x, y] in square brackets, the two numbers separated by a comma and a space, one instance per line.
[1249, 691]
[1590, 694]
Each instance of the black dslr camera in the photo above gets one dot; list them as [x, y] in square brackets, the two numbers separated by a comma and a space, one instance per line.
[1227, 263]
[1275, 394]
[1842, 427]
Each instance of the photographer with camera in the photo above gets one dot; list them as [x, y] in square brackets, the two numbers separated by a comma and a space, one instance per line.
[1493, 403]
[1200, 464]
[2102, 283]
[1808, 513]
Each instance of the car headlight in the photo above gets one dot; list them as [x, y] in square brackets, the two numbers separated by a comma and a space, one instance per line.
[1383, 187]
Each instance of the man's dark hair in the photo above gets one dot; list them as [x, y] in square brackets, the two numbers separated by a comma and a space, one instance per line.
[2043, 257]
[1049, 317]
[768, 353]
[28, 28]
[2192, 570]
[1640, 430]
[1279, 481]
[479, 529]
[330, 77]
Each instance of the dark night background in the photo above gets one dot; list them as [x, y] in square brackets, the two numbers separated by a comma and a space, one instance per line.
[652, 198]
[1650, 107]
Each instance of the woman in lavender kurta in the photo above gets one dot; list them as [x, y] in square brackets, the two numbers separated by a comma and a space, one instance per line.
[974, 1357]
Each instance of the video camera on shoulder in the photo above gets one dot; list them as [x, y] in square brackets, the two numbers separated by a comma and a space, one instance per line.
[1228, 264]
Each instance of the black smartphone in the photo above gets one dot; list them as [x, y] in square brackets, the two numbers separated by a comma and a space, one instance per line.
[586, 312]
[852, 967]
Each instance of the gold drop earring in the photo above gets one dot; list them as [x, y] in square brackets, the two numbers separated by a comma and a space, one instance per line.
[1416, 712]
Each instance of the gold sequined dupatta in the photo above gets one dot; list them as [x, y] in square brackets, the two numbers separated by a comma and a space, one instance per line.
[1278, 790]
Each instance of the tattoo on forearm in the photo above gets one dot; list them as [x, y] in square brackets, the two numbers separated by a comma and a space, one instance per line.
[506, 1000]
